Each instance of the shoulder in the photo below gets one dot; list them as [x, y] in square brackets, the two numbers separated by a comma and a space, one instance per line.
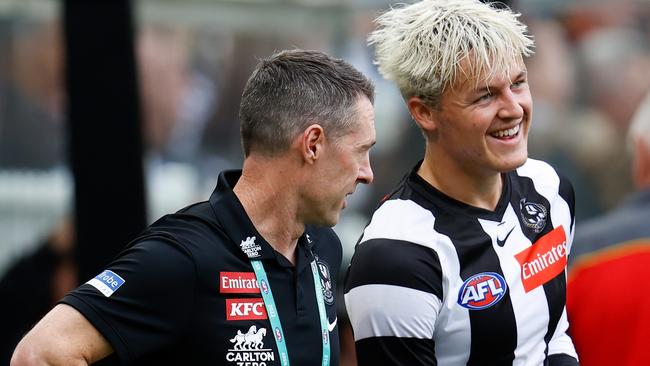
[547, 181]
[398, 248]
[542, 172]
[401, 219]
[194, 227]
[621, 225]
[151, 262]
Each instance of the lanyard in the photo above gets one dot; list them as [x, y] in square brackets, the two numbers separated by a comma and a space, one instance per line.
[274, 317]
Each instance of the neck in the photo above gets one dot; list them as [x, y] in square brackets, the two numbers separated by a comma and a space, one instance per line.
[265, 192]
[464, 185]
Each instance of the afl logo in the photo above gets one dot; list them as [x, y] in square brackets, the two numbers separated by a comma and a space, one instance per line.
[533, 215]
[264, 286]
[482, 290]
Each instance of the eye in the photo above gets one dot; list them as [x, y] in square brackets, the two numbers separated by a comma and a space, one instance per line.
[518, 84]
[483, 97]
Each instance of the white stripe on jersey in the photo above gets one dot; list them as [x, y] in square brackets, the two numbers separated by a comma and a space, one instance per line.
[402, 220]
[386, 310]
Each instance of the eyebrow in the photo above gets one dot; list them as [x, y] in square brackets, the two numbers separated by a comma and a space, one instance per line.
[484, 89]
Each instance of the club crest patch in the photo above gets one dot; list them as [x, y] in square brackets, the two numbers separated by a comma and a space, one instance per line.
[533, 215]
[326, 282]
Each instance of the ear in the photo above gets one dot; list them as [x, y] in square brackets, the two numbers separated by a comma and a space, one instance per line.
[312, 142]
[641, 164]
[423, 115]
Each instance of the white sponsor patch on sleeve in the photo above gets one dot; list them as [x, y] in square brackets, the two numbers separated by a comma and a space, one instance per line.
[107, 282]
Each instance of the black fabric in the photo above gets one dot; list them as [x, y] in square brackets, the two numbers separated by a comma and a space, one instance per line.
[418, 267]
[568, 194]
[171, 309]
[389, 351]
[561, 360]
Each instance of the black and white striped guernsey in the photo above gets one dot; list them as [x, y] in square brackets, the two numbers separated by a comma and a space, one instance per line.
[434, 281]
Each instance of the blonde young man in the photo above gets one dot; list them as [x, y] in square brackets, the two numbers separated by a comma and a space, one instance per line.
[464, 262]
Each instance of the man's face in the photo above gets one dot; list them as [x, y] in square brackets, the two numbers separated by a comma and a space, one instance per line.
[344, 164]
[483, 127]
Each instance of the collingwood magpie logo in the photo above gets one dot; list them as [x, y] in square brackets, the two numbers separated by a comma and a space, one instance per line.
[326, 282]
[248, 348]
[533, 215]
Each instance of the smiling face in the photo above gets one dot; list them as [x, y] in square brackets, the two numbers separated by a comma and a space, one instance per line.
[483, 127]
[344, 164]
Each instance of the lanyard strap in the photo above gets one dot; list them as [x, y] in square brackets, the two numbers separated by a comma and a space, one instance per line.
[271, 310]
[274, 317]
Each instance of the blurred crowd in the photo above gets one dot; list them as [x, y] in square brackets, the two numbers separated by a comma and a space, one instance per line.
[588, 75]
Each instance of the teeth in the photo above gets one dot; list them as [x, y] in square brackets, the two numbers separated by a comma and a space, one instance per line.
[506, 133]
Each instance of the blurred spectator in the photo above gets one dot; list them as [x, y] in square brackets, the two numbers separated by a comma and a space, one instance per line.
[557, 118]
[31, 99]
[608, 303]
[33, 285]
[613, 60]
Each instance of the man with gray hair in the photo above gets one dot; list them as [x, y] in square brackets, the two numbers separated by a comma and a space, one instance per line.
[613, 251]
[247, 277]
[464, 263]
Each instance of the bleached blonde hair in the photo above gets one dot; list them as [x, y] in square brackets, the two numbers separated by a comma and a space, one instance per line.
[421, 47]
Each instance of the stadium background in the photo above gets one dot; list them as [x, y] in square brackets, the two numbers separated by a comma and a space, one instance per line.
[191, 60]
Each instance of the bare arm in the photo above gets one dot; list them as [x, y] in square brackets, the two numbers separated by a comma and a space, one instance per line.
[62, 337]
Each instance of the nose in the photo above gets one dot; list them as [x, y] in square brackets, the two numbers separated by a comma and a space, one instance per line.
[365, 172]
[510, 106]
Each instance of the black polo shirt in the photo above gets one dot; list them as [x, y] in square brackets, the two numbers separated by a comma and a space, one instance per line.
[184, 292]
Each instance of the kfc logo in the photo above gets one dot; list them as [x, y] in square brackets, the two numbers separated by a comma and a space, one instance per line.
[245, 309]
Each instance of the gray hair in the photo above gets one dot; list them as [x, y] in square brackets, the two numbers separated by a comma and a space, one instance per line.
[640, 124]
[293, 89]
[420, 46]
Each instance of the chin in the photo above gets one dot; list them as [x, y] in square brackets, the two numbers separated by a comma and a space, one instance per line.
[512, 164]
[331, 221]
[326, 220]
